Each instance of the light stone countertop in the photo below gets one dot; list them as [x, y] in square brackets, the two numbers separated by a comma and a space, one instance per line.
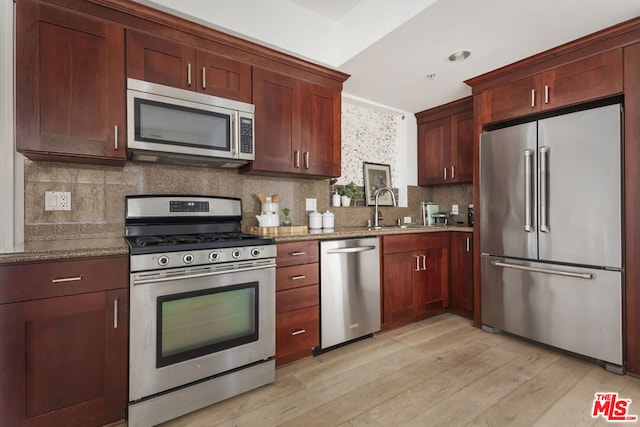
[358, 231]
[51, 250]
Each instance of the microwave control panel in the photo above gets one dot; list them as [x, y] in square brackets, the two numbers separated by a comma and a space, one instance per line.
[246, 135]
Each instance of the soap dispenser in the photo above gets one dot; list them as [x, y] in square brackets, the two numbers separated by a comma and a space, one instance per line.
[335, 199]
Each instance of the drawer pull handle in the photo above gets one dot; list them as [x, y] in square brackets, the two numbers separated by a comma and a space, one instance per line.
[297, 253]
[298, 277]
[67, 279]
[298, 332]
[115, 313]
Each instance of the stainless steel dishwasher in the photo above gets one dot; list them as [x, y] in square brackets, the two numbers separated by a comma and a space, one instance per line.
[349, 290]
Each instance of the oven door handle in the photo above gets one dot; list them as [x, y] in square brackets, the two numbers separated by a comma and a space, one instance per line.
[197, 275]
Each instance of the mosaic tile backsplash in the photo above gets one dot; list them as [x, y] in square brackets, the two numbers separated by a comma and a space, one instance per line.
[367, 136]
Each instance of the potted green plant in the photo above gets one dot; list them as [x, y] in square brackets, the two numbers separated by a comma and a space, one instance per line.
[350, 192]
[286, 221]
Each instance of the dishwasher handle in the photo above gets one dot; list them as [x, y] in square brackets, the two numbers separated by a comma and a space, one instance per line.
[354, 249]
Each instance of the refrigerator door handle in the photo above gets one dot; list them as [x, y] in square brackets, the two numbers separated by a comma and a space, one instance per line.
[528, 193]
[544, 191]
[587, 276]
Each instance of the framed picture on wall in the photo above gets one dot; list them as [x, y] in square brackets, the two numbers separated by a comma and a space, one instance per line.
[377, 175]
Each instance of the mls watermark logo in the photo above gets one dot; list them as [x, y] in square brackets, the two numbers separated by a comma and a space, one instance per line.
[611, 408]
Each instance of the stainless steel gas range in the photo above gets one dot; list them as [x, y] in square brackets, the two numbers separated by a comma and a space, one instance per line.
[202, 303]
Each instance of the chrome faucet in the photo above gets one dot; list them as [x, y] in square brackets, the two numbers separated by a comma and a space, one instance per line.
[376, 221]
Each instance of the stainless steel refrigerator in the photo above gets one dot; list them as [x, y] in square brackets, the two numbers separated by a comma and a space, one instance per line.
[551, 232]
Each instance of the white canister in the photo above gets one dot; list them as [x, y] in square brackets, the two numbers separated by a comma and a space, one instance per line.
[315, 220]
[335, 201]
[328, 219]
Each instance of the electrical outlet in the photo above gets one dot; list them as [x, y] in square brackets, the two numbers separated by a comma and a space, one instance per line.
[454, 209]
[407, 220]
[57, 201]
[311, 205]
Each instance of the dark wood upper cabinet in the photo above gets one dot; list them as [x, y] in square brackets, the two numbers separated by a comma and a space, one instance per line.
[445, 143]
[297, 127]
[591, 78]
[70, 84]
[157, 60]
[164, 61]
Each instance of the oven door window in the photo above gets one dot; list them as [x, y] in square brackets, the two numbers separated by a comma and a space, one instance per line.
[179, 125]
[193, 324]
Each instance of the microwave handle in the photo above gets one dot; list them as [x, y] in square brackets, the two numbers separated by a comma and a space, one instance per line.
[235, 133]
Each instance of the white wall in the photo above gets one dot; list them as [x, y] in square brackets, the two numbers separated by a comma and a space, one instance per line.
[11, 190]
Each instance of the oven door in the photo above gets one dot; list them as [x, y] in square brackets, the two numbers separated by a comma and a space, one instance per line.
[191, 324]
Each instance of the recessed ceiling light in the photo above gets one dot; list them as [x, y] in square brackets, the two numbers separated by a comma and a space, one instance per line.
[459, 56]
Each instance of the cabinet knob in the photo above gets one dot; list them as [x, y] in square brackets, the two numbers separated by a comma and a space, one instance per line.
[204, 78]
[189, 74]
[115, 137]
[298, 332]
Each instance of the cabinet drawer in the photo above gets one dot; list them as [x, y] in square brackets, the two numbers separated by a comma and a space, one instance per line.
[25, 282]
[296, 276]
[415, 242]
[295, 299]
[297, 332]
[296, 253]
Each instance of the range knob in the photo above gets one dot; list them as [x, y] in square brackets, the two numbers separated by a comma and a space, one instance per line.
[235, 254]
[255, 252]
[188, 258]
[163, 260]
[213, 256]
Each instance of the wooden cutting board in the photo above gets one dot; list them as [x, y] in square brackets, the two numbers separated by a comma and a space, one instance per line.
[279, 231]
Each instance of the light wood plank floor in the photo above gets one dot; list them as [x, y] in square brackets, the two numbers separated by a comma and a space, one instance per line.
[439, 372]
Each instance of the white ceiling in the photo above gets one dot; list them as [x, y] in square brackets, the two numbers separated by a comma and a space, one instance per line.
[389, 47]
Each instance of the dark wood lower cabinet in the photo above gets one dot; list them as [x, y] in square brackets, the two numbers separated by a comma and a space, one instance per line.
[63, 360]
[415, 277]
[461, 289]
[297, 300]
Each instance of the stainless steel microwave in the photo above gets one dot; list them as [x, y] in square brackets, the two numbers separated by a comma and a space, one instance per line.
[171, 125]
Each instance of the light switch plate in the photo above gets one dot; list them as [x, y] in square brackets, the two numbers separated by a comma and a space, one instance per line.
[311, 205]
[57, 201]
[407, 220]
[454, 209]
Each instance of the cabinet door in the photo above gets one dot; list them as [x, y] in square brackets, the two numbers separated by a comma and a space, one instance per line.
[161, 61]
[462, 146]
[461, 295]
[66, 360]
[71, 84]
[434, 139]
[430, 279]
[590, 78]
[297, 333]
[277, 139]
[224, 77]
[321, 131]
[514, 99]
[397, 290]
